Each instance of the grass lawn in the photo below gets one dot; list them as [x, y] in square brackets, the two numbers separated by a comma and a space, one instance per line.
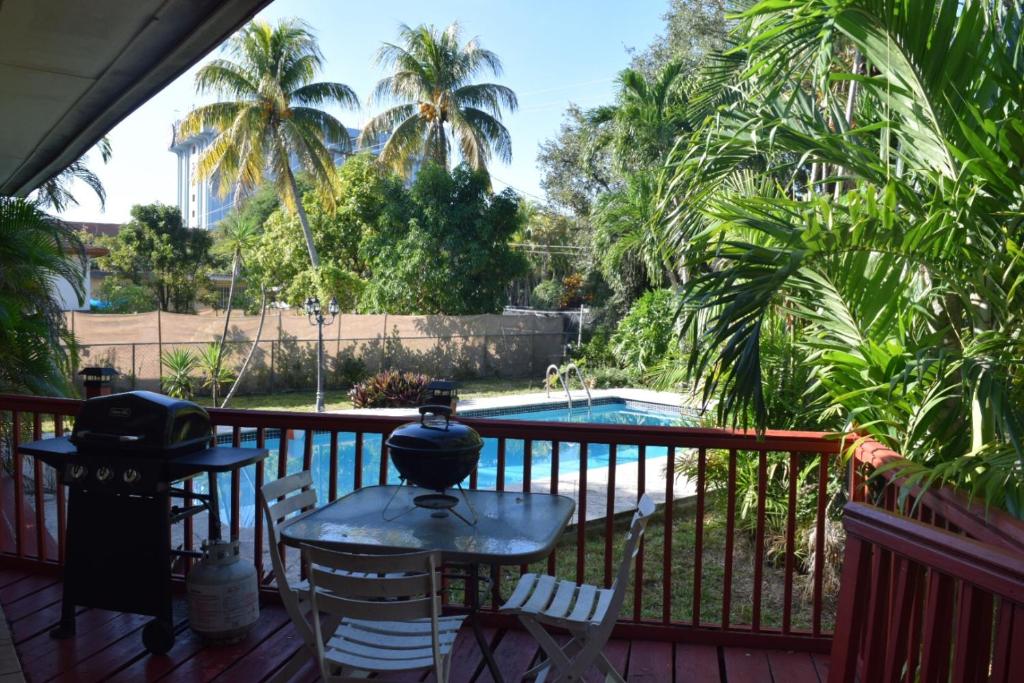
[712, 582]
[338, 399]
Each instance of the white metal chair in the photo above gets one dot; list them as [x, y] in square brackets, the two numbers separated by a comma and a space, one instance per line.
[281, 500]
[389, 622]
[587, 612]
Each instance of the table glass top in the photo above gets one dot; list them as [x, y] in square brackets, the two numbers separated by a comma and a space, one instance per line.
[511, 528]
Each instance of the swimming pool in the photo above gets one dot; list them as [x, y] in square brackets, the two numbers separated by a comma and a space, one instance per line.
[603, 412]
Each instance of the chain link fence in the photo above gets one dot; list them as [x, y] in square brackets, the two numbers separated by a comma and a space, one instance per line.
[289, 363]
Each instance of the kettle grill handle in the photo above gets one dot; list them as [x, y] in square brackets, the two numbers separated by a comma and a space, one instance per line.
[433, 409]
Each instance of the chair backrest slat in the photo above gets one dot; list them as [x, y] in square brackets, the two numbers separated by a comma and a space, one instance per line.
[279, 511]
[285, 485]
[374, 586]
[376, 610]
[412, 595]
[372, 564]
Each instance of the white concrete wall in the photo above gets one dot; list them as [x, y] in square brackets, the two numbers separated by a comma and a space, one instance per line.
[66, 293]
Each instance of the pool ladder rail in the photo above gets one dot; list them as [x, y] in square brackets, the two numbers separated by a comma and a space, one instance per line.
[563, 379]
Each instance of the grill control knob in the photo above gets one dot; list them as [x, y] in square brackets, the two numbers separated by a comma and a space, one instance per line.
[104, 475]
[77, 472]
[131, 477]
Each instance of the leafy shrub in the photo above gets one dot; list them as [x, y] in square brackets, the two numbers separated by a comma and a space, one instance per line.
[608, 377]
[179, 365]
[647, 333]
[390, 389]
[574, 292]
[547, 295]
[121, 296]
[349, 371]
[596, 351]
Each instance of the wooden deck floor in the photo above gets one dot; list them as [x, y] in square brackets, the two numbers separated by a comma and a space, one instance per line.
[108, 647]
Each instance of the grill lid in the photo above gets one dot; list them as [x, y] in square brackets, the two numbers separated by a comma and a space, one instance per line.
[435, 432]
[141, 423]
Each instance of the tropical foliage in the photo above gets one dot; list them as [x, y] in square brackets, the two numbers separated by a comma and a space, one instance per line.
[438, 102]
[857, 189]
[270, 114]
[390, 389]
[439, 245]
[156, 251]
[179, 366]
[36, 348]
[56, 193]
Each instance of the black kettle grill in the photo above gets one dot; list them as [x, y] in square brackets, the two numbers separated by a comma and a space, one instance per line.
[120, 463]
[435, 453]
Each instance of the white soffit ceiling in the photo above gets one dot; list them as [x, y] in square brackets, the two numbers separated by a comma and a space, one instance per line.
[70, 70]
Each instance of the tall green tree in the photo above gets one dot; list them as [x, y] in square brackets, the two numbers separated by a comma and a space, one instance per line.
[270, 114]
[35, 249]
[453, 255]
[648, 116]
[155, 250]
[890, 236]
[432, 81]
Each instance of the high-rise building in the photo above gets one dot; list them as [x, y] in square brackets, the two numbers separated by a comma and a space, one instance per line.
[201, 204]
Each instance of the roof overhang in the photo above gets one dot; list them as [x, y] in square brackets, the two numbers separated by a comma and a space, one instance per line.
[70, 71]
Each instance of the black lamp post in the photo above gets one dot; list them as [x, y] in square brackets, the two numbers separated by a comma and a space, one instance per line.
[316, 317]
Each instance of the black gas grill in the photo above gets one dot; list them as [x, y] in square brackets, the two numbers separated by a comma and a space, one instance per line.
[121, 463]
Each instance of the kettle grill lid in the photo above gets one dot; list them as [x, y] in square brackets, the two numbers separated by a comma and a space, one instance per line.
[435, 431]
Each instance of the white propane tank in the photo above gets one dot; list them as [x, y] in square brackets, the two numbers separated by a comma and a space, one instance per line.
[223, 599]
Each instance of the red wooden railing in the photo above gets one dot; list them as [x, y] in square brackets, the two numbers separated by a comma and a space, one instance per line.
[923, 603]
[28, 521]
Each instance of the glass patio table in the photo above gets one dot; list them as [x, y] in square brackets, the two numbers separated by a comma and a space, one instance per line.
[512, 528]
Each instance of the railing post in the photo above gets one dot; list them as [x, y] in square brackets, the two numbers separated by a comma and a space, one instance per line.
[851, 612]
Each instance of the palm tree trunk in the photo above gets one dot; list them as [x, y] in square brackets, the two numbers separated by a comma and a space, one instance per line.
[304, 220]
[235, 264]
[252, 349]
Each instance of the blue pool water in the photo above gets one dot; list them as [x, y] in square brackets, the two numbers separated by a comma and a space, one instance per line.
[568, 453]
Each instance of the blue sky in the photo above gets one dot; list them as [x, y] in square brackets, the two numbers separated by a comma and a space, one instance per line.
[554, 52]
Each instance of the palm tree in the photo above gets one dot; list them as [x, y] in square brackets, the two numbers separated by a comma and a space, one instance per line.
[432, 80]
[889, 235]
[56, 194]
[36, 349]
[269, 114]
[647, 118]
[237, 237]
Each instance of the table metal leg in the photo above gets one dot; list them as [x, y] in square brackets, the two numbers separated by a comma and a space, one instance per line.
[214, 513]
[473, 593]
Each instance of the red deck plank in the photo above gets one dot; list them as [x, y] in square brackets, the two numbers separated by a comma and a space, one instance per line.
[821, 664]
[650, 662]
[208, 662]
[90, 624]
[515, 653]
[70, 653]
[466, 657]
[266, 658]
[32, 603]
[26, 586]
[697, 664]
[39, 622]
[119, 653]
[746, 666]
[186, 645]
[617, 652]
[792, 667]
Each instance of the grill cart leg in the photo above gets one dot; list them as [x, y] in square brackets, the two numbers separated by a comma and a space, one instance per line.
[66, 627]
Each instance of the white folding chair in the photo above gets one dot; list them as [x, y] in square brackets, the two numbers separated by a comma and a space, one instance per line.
[281, 500]
[587, 612]
[389, 622]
